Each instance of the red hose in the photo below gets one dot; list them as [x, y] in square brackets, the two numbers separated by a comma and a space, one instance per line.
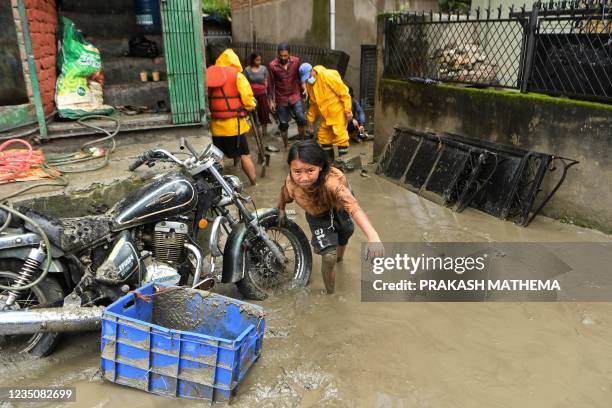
[16, 163]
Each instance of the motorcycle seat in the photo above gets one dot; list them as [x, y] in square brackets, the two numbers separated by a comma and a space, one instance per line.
[70, 234]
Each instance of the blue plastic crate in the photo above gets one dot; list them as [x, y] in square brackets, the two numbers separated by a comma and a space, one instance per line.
[214, 342]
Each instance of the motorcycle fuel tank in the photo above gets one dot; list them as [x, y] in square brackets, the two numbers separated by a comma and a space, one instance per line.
[165, 196]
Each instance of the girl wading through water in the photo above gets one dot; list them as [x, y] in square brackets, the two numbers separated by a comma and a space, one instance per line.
[324, 194]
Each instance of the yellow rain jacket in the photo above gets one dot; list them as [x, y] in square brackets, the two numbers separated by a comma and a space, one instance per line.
[329, 97]
[229, 126]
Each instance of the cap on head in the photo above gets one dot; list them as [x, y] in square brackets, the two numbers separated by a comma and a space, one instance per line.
[305, 69]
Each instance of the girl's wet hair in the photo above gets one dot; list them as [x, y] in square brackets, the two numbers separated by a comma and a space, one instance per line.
[308, 151]
[253, 57]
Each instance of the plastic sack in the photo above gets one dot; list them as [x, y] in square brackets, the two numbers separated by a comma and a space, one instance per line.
[77, 93]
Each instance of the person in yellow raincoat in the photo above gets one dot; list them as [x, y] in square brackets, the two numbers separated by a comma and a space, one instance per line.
[329, 98]
[230, 98]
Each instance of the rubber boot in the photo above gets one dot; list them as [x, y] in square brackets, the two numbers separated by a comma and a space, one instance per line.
[329, 151]
[302, 132]
[285, 136]
[328, 263]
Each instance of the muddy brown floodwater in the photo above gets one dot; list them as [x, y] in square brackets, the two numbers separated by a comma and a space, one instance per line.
[335, 351]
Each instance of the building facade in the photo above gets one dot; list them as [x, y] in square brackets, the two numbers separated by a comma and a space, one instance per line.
[307, 22]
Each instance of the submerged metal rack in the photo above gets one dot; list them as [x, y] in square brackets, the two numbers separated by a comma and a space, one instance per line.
[458, 171]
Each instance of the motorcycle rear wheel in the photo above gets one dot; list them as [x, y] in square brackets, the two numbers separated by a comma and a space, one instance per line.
[47, 292]
[263, 276]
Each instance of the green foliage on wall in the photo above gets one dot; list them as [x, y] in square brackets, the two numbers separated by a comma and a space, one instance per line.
[461, 6]
[318, 35]
[217, 7]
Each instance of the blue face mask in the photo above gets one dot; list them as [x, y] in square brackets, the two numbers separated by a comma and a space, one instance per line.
[312, 80]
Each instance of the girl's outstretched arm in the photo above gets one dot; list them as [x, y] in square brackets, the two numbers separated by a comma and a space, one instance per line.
[374, 248]
[283, 199]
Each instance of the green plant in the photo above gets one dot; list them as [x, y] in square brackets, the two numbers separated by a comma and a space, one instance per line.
[445, 6]
[452, 6]
[217, 7]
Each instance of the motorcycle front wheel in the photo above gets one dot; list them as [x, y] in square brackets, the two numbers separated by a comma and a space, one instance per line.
[263, 275]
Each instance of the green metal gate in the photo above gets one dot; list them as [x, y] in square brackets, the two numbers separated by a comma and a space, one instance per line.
[183, 44]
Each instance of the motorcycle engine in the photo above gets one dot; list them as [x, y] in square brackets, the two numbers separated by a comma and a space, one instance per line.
[169, 241]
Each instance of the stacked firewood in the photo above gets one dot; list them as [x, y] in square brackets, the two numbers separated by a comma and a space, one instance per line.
[466, 63]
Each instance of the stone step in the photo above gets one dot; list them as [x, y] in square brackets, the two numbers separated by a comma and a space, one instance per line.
[151, 94]
[111, 47]
[118, 47]
[123, 70]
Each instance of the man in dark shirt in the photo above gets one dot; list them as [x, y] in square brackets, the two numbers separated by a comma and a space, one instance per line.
[285, 90]
[356, 127]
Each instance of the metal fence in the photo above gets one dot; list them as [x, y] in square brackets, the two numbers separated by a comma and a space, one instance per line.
[211, 37]
[367, 76]
[215, 41]
[572, 51]
[558, 48]
[334, 59]
[367, 83]
[451, 48]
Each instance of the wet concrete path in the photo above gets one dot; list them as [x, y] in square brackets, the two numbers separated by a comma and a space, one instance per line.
[335, 351]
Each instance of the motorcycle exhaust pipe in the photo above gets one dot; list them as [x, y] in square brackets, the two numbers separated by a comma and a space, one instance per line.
[61, 319]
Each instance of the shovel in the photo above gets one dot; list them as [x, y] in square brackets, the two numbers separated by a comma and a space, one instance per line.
[262, 156]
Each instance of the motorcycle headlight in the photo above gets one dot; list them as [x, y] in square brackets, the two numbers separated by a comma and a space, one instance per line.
[213, 152]
[234, 182]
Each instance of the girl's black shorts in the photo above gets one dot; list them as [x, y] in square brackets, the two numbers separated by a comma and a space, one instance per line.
[329, 230]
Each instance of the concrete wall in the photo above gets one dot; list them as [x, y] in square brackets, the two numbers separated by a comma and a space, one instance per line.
[12, 85]
[577, 130]
[562, 127]
[307, 22]
[299, 22]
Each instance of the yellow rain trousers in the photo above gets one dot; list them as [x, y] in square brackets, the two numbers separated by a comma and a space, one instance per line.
[230, 126]
[330, 99]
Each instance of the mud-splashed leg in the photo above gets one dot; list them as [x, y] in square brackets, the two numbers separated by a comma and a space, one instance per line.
[340, 251]
[328, 263]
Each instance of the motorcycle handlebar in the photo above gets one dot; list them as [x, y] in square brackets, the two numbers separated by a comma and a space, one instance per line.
[187, 145]
[4, 216]
[151, 155]
[137, 163]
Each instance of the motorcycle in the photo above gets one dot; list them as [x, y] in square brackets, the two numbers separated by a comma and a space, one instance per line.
[56, 275]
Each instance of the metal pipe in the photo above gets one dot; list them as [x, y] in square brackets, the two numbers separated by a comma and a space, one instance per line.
[25, 27]
[332, 24]
[251, 23]
[198, 256]
[213, 243]
[61, 319]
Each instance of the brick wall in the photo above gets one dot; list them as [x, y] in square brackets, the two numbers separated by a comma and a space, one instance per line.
[42, 18]
[240, 4]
